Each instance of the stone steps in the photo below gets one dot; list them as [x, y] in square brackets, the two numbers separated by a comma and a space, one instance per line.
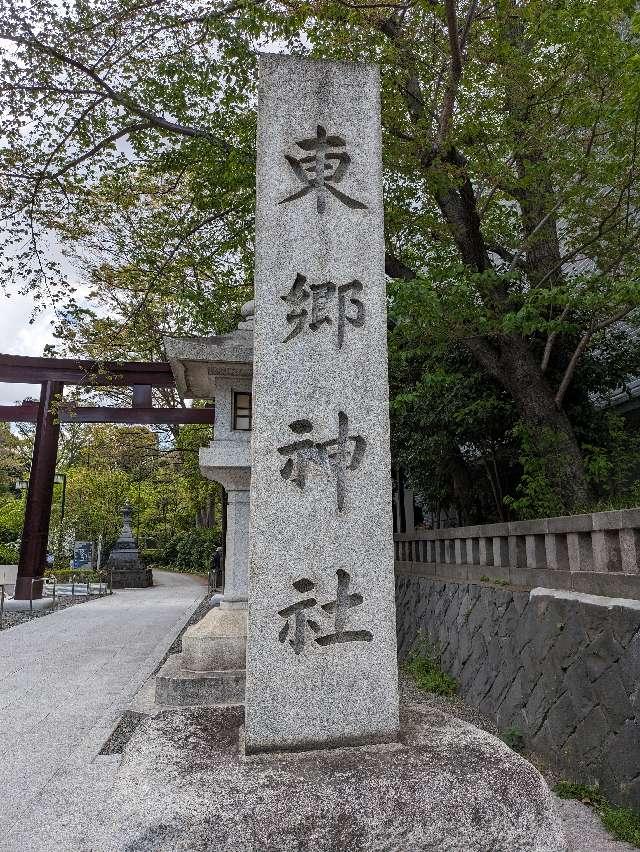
[177, 687]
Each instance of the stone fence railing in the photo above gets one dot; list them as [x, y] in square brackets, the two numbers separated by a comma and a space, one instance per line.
[597, 554]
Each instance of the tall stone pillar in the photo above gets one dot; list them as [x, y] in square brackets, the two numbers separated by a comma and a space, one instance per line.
[321, 657]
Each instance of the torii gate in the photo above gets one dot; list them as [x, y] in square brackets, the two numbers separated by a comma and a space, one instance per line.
[52, 374]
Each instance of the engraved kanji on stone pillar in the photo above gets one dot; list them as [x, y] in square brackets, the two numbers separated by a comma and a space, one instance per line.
[321, 654]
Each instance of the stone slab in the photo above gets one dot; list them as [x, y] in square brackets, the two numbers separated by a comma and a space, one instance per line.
[12, 605]
[217, 642]
[177, 687]
[446, 787]
[191, 360]
[594, 600]
[321, 656]
[8, 574]
[131, 578]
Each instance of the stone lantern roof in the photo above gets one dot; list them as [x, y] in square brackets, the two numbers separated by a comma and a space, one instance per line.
[197, 362]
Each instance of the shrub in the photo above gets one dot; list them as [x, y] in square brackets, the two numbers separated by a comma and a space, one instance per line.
[423, 664]
[189, 552]
[9, 554]
[66, 575]
[514, 738]
[149, 556]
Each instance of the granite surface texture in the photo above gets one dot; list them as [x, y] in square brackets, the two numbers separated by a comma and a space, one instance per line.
[561, 668]
[177, 686]
[218, 641]
[445, 787]
[321, 658]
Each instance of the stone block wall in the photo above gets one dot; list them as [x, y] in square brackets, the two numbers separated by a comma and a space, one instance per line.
[561, 667]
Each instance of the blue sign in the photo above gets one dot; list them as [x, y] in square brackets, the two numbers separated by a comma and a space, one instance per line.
[82, 554]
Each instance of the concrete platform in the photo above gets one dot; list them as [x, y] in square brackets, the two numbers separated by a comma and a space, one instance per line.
[12, 605]
[178, 687]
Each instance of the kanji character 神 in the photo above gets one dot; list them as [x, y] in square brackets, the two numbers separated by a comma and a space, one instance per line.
[332, 455]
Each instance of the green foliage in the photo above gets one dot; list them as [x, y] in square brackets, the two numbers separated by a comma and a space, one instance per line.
[623, 823]
[190, 551]
[109, 466]
[149, 556]
[450, 428]
[497, 581]
[511, 205]
[9, 554]
[66, 575]
[514, 738]
[612, 466]
[11, 520]
[546, 467]
[423, 665]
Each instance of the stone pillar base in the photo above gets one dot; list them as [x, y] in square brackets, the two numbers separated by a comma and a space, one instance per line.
[11, 604]
[445, 786]
[177, 687]
[218, 642]
[211, 668]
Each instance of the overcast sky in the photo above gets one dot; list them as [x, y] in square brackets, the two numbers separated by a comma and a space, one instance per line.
[18, 337]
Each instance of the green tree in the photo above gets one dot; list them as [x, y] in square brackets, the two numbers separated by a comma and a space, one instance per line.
[510, 150]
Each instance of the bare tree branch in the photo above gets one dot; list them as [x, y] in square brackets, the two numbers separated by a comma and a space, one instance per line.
[551, 339]
[109, 140]
[15, 87]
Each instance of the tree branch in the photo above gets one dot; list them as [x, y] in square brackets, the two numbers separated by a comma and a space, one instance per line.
[116, 97]
[125, 131]
[551, 339]
[395, 268]
[485, 354]
[530, 236]
[581, 347]
[455, 72]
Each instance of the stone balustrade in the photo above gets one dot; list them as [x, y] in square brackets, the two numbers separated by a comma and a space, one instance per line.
[597, 553]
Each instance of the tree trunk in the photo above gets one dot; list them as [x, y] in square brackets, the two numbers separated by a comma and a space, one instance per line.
[511, 363]
[507, 358]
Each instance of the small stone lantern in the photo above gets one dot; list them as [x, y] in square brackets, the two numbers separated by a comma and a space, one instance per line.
[211, 668]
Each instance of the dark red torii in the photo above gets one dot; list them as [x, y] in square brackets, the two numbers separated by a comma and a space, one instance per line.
[53, 374]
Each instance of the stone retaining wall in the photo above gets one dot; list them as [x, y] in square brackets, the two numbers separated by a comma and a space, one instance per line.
[561, 667]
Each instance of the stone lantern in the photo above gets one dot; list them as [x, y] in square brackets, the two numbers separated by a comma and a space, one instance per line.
[123, 564]
[211, 668]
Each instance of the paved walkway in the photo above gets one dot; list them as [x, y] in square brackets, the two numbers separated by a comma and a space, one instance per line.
[64, 681]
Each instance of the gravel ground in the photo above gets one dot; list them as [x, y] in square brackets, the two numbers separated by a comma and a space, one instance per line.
[583, 827]
[12, 619]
